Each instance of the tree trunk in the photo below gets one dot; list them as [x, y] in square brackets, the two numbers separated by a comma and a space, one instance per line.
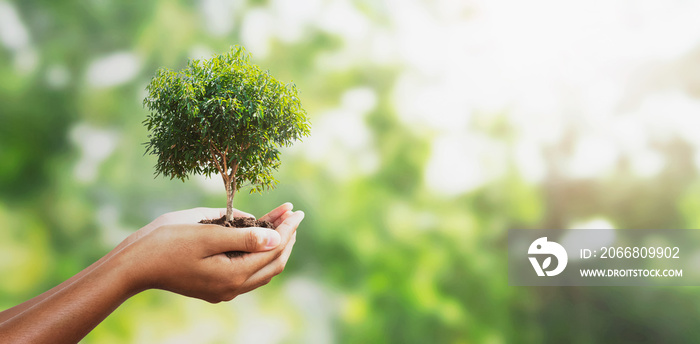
[230, 191]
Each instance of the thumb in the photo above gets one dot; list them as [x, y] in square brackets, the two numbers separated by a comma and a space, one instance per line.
[249, 239]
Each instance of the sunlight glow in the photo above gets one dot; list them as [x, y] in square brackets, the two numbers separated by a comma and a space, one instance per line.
[113, 70]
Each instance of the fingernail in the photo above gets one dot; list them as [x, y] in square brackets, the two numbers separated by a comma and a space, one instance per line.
[272, 239]
[291, 206]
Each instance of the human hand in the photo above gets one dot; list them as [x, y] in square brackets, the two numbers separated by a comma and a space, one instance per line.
[176, 253]
[191, 216]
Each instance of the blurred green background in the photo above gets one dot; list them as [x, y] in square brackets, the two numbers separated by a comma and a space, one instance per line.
[436, 127]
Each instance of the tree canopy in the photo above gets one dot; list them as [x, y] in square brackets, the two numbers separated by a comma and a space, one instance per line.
[222, 115]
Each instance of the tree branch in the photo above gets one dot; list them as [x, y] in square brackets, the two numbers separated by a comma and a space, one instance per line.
[225, 164]
[216, 161]
[217, 149]
[233, 171]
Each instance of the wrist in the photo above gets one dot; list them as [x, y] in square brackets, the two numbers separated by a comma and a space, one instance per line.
[127, 271]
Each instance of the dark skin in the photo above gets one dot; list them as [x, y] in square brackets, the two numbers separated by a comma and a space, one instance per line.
[172, 253]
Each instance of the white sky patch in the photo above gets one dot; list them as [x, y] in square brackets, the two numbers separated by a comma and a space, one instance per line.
[661, 116]
[15, 36]
[529, 161]
[382, 48]
[669, 114]
[95, 145]
[630, 135]
[256, 32]
[284, 20]
[662, 29]
[437, 104]
[350, 131]
[218, 16]
[647, 163]
[342, 142]
[293, 17]
[361, 99]
[113, 70]
[340, 17]
[13, 33]
[340, 138]
[542, 127]
[592, 156]
[462, 163]
[363, 42]
[423, 41]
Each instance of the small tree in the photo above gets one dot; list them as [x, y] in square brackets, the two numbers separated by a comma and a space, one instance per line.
[223, 115]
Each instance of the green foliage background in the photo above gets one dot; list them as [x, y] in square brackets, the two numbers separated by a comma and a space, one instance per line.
[381, 257]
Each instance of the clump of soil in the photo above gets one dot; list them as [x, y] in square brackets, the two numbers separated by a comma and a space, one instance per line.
[238, 222]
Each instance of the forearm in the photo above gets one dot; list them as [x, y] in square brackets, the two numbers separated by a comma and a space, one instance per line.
[70, 312]
[14, 311]
[11, 312]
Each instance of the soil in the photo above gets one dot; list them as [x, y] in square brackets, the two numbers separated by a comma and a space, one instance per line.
[238, 222]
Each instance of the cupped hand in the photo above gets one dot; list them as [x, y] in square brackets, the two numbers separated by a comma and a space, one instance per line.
[178, 254]
[189, 216]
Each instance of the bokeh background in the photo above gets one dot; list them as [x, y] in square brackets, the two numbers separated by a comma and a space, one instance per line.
[437, 125]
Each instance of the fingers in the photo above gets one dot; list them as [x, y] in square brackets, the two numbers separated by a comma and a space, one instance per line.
[289, 226]
[255, 262]
[249, 239]
[254, 239]
[274, 215]
[274, 268]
